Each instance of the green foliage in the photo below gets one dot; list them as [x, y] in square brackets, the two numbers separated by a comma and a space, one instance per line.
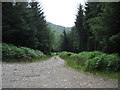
[11, 52]
[57, 30]
[54, 53]
[95, 60]
[73, 37]
[27, 26]
[82, 34]
[104, 62]
[96, 28]
[64, 42]
[103, 20]
[66, 54]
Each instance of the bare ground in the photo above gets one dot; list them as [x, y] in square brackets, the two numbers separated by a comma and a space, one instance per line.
[52, 73]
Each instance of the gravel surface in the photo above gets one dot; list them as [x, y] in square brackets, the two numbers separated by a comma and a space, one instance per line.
[52, 73]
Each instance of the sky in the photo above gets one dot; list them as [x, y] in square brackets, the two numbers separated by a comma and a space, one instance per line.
[61, 12]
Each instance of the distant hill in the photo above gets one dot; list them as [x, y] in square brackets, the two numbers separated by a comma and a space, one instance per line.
[58, 29]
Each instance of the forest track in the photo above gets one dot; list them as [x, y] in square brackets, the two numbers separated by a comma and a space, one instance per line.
[52, 73]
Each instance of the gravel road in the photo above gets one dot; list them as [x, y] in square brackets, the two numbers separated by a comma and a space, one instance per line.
[52, 73]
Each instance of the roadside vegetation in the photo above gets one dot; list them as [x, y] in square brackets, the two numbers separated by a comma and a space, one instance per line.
[11, 53]
[95, 62]
[96, 31]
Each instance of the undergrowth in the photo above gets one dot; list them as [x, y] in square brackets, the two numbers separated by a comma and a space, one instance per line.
[11, 53]
[96, 62]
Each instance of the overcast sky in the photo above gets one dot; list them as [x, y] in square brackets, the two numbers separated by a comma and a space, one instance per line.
[61, 12]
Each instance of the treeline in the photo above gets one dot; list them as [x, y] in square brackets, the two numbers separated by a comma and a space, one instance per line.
[24, 24]
[96, 28]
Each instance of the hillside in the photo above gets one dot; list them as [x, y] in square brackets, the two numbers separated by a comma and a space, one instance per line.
[58, 29]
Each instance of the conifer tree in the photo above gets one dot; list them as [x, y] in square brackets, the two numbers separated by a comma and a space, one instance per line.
[26, 26]
[80, 28]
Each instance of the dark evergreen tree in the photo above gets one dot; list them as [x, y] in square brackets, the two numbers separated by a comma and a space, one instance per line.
[97, 28]
[79, 24]
[64, 42]
[26, 26]
[90, 12]
[43, 33]
[111, 20]
[15, 26]
[73, 38]
[104, 26]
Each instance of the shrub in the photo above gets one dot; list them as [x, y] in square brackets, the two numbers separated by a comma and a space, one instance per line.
[95, 60]
[65, 54]
[11, 52]
[54, 53]
[104, 62]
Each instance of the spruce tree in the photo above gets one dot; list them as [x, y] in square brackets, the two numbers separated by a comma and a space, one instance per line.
[26, 26]
[80, 28]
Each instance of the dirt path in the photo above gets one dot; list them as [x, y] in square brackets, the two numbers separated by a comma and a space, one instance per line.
[52, 73]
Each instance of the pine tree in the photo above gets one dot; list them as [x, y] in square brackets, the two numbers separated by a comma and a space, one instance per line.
[73, 37]
[90, 13]
[64, 42]
[79, 24]
[42, 30]
[26, 26]
[103, 21]
[15, 27]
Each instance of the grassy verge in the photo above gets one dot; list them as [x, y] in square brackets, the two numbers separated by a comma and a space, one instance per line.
[72, 63]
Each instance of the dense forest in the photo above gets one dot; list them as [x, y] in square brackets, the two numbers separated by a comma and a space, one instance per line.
[96, 28]
[24, 24]
[93, 44]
